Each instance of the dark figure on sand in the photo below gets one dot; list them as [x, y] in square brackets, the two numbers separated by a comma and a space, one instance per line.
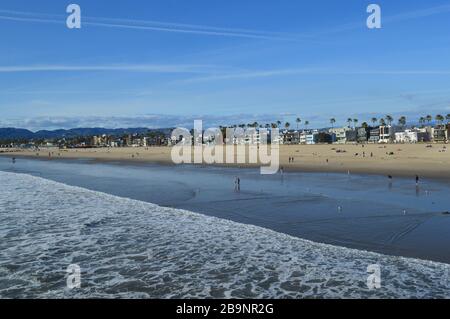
[237, 184]
[417, 179]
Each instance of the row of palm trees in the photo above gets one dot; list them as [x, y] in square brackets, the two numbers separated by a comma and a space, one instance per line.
[387, 120]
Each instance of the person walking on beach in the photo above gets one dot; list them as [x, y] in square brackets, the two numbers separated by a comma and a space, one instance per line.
[237, 184]
[417, 180]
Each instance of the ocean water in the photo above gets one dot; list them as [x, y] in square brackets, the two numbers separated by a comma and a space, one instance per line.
[132, 249]
[399, 219]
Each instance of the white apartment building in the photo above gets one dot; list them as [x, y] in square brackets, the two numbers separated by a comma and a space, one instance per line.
[408, 136]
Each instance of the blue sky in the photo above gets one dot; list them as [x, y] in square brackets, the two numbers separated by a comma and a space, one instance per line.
[164, 63]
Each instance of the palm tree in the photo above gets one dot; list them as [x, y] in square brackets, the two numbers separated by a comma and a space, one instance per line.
[279, 123]
[422, 121]
[439, 119]
[298, 120]
[429, 118]
[389, 119]
[364, 125]
[355, 121]
[382, 122]
[447, 117]
[349, 121]
[402, 121]
[287, 125]
[374, 120]
[332, 121]
[306, 125]
[274, 125]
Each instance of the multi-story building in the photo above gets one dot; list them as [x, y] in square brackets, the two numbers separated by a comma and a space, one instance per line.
[412, 136]
[291, 137]
[363, 134]
[374, 135]
[387, 134]
[440, 134]
[340, 133]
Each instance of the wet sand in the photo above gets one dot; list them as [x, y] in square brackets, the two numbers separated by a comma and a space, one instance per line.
[390, 159]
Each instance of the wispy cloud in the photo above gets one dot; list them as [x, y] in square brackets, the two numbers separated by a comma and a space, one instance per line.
[146, 68]
[20, 16]
[308, 71]
[160, 26]
[386, 19]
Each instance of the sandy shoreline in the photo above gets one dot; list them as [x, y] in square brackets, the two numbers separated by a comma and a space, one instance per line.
[392, 159]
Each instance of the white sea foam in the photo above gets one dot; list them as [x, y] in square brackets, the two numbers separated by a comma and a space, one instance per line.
[128, 248]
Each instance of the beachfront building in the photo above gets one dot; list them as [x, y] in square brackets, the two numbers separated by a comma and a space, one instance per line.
[374, 135]
[340, 134]
[412, 136]
[387, 134]
[303, 137]
[325, 138]
[291, 137]
[441, 133]
[363, 134]
[408, 136]
[311, 137]
[351, 136]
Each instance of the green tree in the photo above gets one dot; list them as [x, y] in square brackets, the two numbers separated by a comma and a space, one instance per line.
[349, 121]
[422, 121]
[389, 119]
[402, 121]
[298, 120]
[306, 125]
[374, 120]
[332, 122]
[439, 119]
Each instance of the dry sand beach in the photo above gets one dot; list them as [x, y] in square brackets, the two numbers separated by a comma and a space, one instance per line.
[426, 160]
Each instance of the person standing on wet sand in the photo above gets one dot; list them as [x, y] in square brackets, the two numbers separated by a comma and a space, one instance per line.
[237, 184]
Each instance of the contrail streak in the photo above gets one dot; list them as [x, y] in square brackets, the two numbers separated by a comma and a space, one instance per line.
[145, 25]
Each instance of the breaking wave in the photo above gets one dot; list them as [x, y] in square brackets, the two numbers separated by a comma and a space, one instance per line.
[132, 249]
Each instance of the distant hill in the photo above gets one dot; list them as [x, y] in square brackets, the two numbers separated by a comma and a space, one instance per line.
[15, 133]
